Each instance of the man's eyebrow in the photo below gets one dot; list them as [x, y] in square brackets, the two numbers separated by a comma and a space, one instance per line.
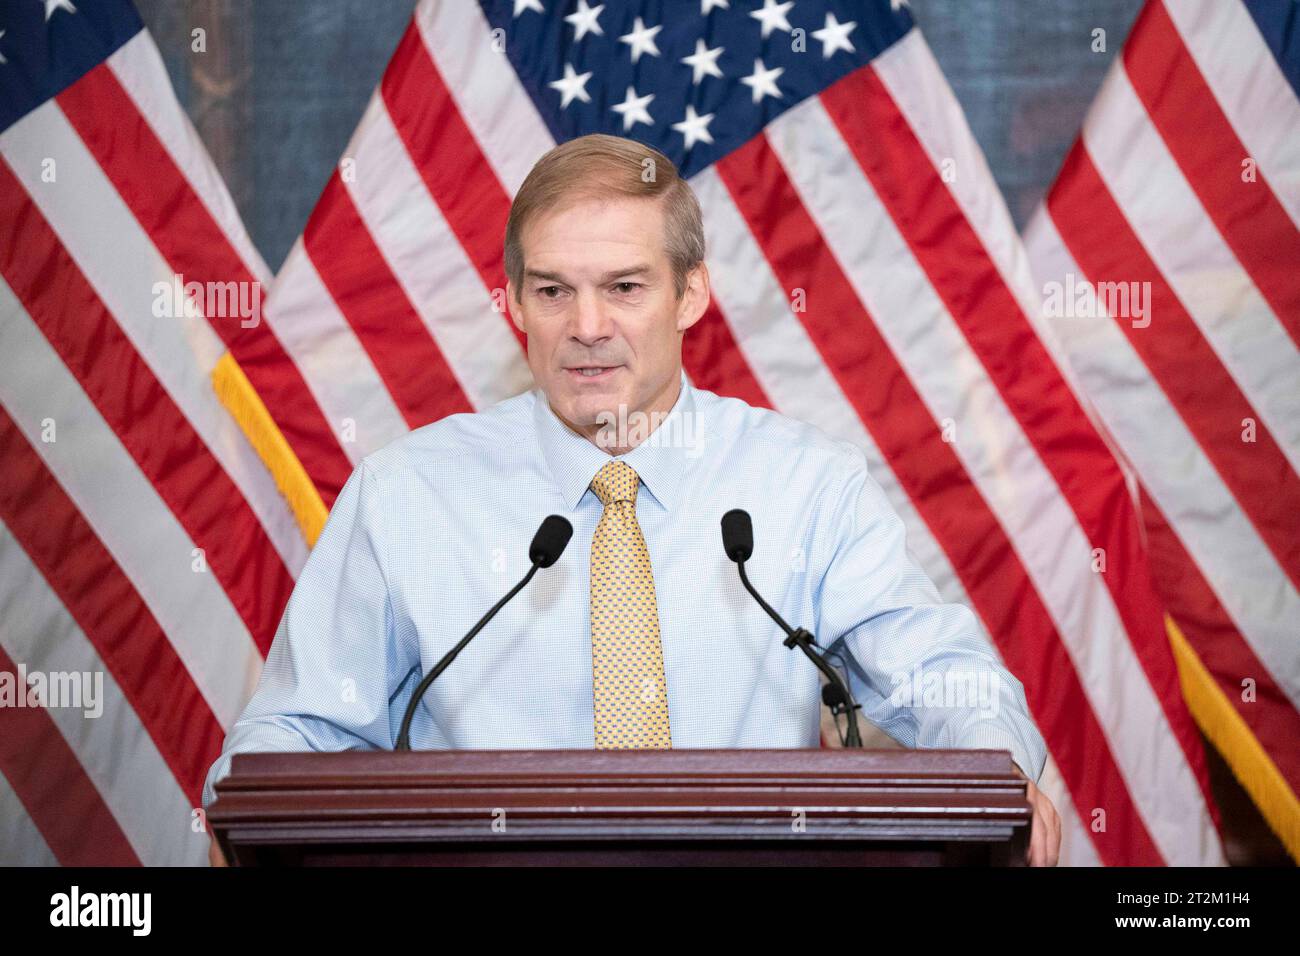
[635, 270]
[548, 276]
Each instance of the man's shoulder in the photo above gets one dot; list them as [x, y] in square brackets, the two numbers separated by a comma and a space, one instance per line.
[762, 434]
[482, 435]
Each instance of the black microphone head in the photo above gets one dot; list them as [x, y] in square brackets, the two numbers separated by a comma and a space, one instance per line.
[737, 535]
[550, 541]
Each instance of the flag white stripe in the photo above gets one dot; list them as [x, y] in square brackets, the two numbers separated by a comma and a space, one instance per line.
[1239, 568]
[1249, 86]
[1002, 463]
[334, 364]
[921, 92]
[114, 749]
[126, 513]
[1178, 234]
[139, 68]
[787, 364]
[406, 223]
[181, 350]
[502, 117]
[21, 843]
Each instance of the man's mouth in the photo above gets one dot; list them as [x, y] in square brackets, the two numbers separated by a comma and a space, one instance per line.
[592, 373]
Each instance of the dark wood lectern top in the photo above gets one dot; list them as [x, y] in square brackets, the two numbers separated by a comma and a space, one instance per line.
[623, 806]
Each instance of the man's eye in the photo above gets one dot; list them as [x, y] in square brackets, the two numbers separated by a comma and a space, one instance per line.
[549, 291]
[627, 287]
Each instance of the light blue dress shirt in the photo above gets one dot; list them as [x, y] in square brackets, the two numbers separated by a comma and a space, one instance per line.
[432, 530]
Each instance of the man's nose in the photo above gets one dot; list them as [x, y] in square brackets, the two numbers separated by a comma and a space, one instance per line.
[591, 322]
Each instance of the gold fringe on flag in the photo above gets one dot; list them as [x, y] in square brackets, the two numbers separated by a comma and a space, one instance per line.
[1250, 763]
[236, 393]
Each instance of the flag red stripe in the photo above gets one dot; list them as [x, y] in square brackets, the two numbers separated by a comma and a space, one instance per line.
[1271, 717]
[1100, 239]
[714, 361]
[374, 303]
[962, 272]
[1203, 143]
[109, 611]
[928, 469]
[448, 159]
[165, 204]
[48, 778]
[154, 431]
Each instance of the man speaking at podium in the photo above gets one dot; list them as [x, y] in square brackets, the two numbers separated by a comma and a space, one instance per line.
[642, 633]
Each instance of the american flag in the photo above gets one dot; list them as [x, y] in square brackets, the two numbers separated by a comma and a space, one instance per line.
[141, 537]
[1184, 187]
[866, 277]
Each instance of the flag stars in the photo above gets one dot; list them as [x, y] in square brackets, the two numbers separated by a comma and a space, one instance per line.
[707, 5]
[585, 21]
[703, 62]
[834, 36]
[695, 127]
[633, 109]
[573, 86]
[51, 6]
[534, 5]
[763, 81]
[3, 61]
[641, 39]
[772, 16]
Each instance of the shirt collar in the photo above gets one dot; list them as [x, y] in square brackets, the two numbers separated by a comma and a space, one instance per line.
[661, 461]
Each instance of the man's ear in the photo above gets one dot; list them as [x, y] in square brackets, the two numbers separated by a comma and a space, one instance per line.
[512, 305]
[695, 298]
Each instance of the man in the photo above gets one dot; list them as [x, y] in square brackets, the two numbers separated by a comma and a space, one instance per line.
[642, 634]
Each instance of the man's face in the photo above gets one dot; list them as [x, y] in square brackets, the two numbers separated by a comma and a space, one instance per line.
[598, 305]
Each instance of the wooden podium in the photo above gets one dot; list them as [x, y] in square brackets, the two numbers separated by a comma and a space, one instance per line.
[623, 807]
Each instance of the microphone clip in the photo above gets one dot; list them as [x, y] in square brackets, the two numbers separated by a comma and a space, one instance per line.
[801, 638]
[834, 695]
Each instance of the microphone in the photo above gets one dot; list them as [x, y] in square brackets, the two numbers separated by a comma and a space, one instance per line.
[738, 542]
[738, 535]
[548, 544]
[550, 541]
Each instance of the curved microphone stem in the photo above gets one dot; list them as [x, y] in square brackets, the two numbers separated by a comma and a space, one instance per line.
[404, 737]
[839, 699]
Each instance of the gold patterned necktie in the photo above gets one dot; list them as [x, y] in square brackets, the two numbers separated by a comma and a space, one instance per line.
[627, 659]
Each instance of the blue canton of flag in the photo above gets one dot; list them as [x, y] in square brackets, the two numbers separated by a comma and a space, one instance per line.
[696, 79]
[47, 45]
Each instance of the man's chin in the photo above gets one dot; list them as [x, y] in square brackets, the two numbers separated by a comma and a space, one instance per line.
[587, 412]
[592, 414]
[589, 395]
